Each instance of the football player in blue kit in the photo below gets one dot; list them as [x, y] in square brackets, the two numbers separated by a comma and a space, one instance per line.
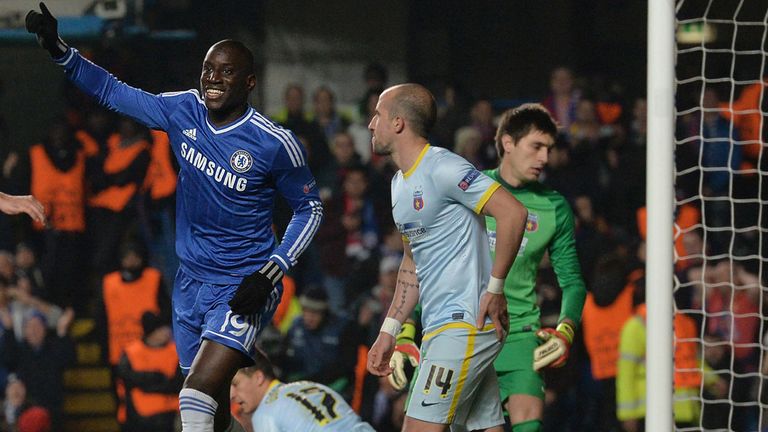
[232, 162]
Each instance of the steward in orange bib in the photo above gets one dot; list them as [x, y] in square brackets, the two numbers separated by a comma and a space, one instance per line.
[114, 189]
[128, 293]
[152, 376]
[57, 180]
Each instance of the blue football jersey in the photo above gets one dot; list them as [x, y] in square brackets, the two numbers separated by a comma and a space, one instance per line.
[227, 179]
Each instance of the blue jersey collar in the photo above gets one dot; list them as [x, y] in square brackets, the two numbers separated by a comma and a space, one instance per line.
[248, 113]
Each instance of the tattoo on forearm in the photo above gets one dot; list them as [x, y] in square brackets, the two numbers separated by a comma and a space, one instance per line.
[404, 287]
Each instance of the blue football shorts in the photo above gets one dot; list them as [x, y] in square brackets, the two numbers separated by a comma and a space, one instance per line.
[201, 311]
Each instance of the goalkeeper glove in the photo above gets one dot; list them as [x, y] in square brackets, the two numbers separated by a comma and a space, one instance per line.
[46, 27]
[553, 352]
[254, 290]
[406, 353]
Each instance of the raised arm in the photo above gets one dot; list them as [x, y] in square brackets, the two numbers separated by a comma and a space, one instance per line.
[148, 109]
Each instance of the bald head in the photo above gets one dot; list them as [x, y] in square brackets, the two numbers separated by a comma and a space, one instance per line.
[238, 53]
[416, 105]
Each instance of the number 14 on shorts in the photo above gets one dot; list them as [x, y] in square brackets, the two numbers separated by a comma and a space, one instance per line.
[441, 378]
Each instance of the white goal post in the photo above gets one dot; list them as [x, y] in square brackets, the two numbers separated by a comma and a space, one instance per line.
[660, 202]
[707, 89]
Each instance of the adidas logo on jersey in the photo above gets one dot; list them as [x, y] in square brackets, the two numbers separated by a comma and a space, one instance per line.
[192, 133]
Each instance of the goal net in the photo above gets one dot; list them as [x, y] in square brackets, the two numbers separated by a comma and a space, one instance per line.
[720, 217]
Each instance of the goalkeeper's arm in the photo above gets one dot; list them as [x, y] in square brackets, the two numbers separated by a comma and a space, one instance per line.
[553, 352]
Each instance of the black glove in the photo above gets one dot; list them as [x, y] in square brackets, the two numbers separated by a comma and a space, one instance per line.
[254, 290]
[45, 26]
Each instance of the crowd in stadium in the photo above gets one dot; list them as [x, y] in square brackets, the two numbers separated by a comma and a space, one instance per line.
[107, 253]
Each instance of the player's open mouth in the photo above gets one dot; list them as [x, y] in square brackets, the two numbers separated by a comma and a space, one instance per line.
[213, 93]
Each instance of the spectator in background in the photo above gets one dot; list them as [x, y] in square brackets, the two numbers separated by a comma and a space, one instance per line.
[127, 294]
[159, 226]
[325, 115]
[26, 266]
[631, 372]
[321, 346]
[481, 119]
[113, 204]
[14, 404]
[563, 97]
[607, 307]
[22, 302]
[41, 358]
[344, 157]
[732, 306]
[58, 181]
[468, 145]
[451, 115]
[149, 367]
[7, 268]
[292, 116]
[359, 130]
[375, 77]
[352, 226]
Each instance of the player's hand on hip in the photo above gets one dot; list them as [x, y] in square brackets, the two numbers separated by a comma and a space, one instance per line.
[555, 346]
[380, 355]
[406, 353]
[255, 289]
[46, 27]
[494, 306]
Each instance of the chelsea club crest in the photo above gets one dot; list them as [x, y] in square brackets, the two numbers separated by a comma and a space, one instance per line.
[418, 199]
[241, 161]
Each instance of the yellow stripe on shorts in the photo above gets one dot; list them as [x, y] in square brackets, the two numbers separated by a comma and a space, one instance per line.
[467, 356]
[463, 374]
[461, 324]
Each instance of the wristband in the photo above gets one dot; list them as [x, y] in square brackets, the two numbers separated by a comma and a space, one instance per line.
[390, 326]
[495, 285]
[567, 330]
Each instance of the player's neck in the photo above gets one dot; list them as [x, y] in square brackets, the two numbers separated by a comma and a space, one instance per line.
[506, 174]
[407, 155]
[219, 118]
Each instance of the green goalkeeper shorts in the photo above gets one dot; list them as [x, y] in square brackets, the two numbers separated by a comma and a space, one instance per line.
[514, 367]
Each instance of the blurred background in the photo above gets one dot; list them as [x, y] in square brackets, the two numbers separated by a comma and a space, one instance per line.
[68, 291]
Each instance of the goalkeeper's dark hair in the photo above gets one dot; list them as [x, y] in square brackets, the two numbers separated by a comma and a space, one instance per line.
[261, 363]
[417, 106]
[519, 122]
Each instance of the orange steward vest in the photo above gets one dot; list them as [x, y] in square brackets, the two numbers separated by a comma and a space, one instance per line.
[687, 370]
[125, 302]
[116, 198]
[61, 193]
[161, 177]
[144, 358]
[602, 329]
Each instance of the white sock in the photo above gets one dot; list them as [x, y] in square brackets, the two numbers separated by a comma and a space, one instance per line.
[197, 411]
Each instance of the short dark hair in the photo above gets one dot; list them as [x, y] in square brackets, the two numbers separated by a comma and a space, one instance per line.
[519, 122]
[244, 51]
[416, 104]
[261, 363]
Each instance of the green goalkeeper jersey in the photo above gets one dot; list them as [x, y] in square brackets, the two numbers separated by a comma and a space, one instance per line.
[550, 227]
